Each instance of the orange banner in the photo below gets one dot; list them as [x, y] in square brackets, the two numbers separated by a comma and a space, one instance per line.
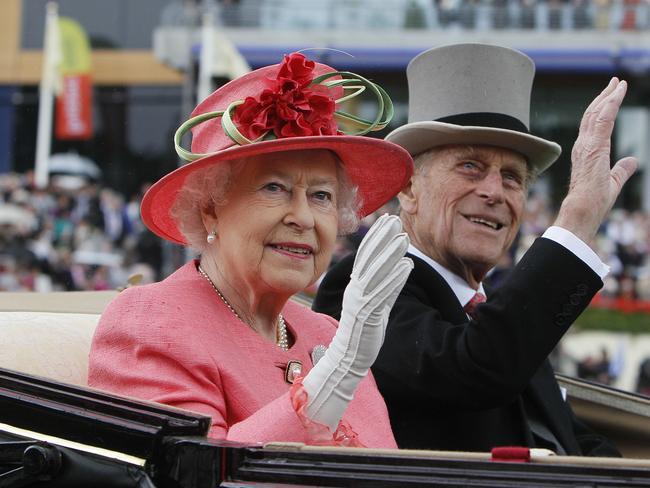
[74, 101]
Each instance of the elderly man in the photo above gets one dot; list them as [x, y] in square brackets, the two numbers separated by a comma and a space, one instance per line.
[457, 376]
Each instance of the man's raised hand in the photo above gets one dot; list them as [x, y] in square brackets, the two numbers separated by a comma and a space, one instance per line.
[594, 186]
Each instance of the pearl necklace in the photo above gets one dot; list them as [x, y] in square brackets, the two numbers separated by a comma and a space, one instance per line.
[282, 338]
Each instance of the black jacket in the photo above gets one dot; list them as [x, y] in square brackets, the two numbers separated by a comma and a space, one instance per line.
[454, 384]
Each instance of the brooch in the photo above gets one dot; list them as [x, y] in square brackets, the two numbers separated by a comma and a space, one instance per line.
[293, 370]
[294, 367]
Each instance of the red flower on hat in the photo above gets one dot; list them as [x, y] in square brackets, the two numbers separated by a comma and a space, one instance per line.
[289, 107]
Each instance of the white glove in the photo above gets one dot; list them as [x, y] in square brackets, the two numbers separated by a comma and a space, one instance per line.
[378, 275]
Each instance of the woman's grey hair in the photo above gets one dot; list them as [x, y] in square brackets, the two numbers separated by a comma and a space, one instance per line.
[206, 190]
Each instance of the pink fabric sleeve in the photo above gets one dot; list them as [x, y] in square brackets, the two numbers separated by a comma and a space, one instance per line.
[284, 420]
[154, 363]
[319, 434]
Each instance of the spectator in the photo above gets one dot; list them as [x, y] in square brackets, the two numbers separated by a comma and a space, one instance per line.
[643, 383]
[70, 240]
[596, 368]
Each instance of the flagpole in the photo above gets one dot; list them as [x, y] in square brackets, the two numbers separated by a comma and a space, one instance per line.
[206, 56]
[51, 59]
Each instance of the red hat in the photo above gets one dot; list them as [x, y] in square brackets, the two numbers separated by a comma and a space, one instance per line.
[285, 107]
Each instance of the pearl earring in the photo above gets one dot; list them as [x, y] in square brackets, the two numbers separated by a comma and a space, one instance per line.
[211, 236]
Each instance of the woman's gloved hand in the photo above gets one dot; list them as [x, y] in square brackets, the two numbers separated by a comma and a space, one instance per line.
[378, 275]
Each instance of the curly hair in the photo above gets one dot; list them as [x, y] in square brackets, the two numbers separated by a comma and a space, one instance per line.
[207, 189]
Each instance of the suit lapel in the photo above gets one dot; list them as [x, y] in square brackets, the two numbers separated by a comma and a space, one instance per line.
[439, 293]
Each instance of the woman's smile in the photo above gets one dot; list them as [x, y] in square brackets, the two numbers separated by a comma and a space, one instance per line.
[293, 250]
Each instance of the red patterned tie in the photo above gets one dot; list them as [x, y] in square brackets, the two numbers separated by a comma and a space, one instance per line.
[470, 307]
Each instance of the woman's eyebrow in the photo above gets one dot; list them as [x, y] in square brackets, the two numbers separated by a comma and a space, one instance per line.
[282, 175]
[314, 180]
[323, 180]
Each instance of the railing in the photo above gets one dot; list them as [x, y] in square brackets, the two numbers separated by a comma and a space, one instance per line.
[615, 15]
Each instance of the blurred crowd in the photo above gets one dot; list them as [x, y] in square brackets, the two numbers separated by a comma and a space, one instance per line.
[69, 237]
[623, 242]
[614, 363]
[90, 237]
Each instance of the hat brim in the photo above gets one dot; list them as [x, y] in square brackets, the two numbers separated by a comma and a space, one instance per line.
[418, 137]
[379, 169]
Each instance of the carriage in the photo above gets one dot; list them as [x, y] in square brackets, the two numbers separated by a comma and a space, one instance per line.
[54, 431]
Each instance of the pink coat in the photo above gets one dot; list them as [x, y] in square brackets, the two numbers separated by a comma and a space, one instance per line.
[175, 342]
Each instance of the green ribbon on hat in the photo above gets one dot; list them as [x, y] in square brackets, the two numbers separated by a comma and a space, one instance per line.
[358, 126]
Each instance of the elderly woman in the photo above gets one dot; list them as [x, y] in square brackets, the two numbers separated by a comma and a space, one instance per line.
[273, 180]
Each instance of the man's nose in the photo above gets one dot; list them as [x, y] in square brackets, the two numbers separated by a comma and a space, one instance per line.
[491, 187]
[299, 212]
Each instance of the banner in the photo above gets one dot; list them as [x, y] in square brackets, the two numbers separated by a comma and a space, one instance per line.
[74, 99]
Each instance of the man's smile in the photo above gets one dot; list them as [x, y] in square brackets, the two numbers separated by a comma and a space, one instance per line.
[489, 222]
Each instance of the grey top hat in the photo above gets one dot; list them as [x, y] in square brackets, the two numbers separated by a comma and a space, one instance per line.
[472, 94]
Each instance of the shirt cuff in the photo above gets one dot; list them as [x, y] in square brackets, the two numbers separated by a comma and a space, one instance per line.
[574, 244]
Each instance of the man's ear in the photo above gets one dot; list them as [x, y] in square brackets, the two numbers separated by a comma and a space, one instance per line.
[407, 198]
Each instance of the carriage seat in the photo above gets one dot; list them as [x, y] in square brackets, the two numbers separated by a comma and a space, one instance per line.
[49, 334]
